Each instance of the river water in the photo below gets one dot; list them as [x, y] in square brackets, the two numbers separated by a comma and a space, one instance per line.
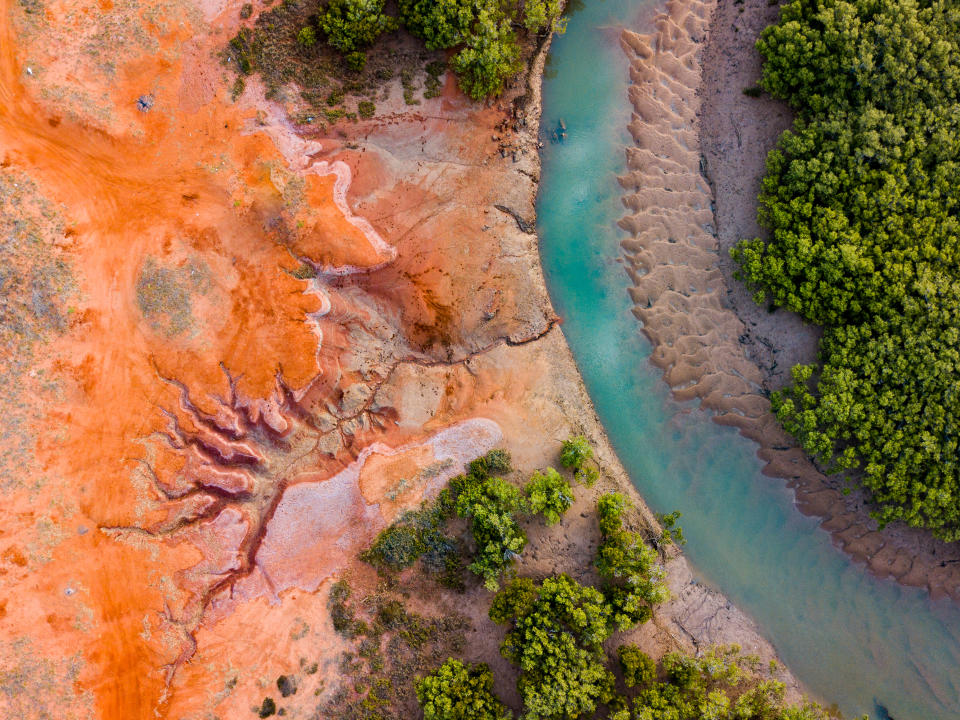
[850, 638]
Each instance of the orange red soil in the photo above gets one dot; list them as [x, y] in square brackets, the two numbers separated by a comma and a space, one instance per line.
[227, 362]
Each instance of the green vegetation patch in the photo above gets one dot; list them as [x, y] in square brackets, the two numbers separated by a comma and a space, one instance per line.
[292, 43]
[863, 209]
[456, 690]
[556, 633]
[557, 628]
[493, 507]
[634, 579]
[391, 647]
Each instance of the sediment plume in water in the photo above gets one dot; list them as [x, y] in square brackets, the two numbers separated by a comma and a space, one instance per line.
[709, 346]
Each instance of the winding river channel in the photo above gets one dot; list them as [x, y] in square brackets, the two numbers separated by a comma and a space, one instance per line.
[850, 638]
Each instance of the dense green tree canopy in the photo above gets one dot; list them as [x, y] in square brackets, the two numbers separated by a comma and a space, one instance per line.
[718, 685]
[543, 14]
[492, 505]
[863, 209]
[576, 454]
[352, 25]
[490, 57]
[440, 24]
[549, 494]
[556, 636]
[634, 578]
[460, 692]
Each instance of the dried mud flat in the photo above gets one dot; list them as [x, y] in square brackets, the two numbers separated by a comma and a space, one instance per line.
[240, 352]
[691, 187]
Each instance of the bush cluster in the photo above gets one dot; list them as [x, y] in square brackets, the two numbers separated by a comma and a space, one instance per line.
[550, 495]
[633, 576]
[421, 535]
[482, 31]
[577, 455]
[494, 508]
[456, 691]
[556, 635]
[719, 685]
[557, 627]
[863, 209]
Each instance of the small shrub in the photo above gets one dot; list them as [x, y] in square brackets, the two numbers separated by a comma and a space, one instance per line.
[341, 614]
[396, 548]
[498, 461]
[575, 452]
[550, 495]
[287, 685]
[366, 109]
[639, 669]
[239, 85]
[672, 533]
[495, 462]
[356, 60]
[267, 708]
[307, 37]
[246, 11]
[391, 614]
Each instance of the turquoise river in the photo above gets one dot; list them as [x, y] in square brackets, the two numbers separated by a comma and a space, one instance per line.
[850, 638]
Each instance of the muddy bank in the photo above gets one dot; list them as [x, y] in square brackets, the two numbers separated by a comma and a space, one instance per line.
[691, 187]
[269, 346]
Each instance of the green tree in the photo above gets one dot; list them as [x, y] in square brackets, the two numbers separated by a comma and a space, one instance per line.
[440, 23]
[550, 495]
[307, 37]
[542, 15]
[556, 635]
[491, 505]
[460, 692]
[634, 578]
[490, 57]
[351, 25]
[575, 452]
[638, 668]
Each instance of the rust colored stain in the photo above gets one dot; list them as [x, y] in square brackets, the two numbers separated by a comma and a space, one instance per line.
[178, 235]
[248, 381]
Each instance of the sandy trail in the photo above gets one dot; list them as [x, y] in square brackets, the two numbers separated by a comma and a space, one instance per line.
[691, 186]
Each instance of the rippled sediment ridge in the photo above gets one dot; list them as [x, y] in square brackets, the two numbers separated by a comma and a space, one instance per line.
[850, 638]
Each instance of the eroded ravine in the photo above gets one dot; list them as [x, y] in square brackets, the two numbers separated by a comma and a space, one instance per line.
[215, 358]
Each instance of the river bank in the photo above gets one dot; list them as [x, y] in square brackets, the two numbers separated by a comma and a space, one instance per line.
[282, 337]
[694, 176]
